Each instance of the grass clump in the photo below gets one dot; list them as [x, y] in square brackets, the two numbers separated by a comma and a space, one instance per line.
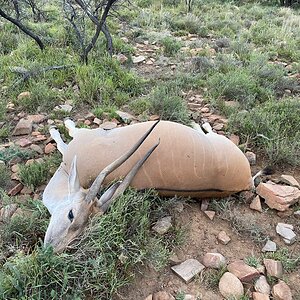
[252, 261]
[101, 263]
[171, 46]
[274, 128]
[167, 102]
[4, 176]
[140, 106]
[10, 153]
[212, 277]
[106, 111]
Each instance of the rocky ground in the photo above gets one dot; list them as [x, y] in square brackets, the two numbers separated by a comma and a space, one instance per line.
[216, 260]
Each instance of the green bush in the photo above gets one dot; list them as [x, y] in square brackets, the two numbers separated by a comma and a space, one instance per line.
[273, 127]
[171, 46]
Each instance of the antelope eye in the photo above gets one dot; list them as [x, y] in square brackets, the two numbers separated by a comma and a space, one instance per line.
[70, 215]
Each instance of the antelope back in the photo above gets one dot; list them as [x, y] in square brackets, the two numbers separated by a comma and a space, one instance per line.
[185, 163]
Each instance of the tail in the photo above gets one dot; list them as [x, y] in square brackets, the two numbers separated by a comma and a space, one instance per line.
[265, 171]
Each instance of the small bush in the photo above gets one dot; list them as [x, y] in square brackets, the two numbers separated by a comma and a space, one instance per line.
[140, 106]
[10, 153]
[274, 128]
[106, 111]
[171, 46]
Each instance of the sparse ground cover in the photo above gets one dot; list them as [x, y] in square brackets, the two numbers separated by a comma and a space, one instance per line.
[235, 65]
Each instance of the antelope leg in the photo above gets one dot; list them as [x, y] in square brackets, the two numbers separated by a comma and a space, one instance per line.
[94, 189]
[61, 145]
[71, 127]
[119, 187]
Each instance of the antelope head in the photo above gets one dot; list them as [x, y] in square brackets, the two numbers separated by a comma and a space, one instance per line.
[70, 210]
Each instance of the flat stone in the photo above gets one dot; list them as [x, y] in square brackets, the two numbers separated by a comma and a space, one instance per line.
[15, 190]
[290, 180]
[251, 156]
[214, 260]
[260, 296]
[23, 142]
[210, 214]
[242, 271]
[162, 295]
[36, 148]
[97, 121]
[39, 138]
[218, 126]
[204, 204]
[223, 238]
[286, 231]
[190, 297]
[36, 118]
[188, 269]
[64, 107]
[154, 117]
[230, 286]
[270, 246]
[138, 59]
[49, 148]
[7, 211]
[281, 291]
[23, 127]
[274, 267]
[125, 117]
[261, 285]
[108, 125]
[256, 204]
[279, 197]
[163, 225]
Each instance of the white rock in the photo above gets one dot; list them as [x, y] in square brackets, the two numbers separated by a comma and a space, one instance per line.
[138, 59]
[188, 269]
[261, 285]
[270, 246]
[230, 286]
[286, 231]
[162, 225]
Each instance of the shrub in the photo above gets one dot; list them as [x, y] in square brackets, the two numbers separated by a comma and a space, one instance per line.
[171, 46]
[274, 128]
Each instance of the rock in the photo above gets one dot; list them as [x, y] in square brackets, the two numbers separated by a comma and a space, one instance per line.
[138, 59]
[122, 58]
[285, 214]
[149, 297]
[49, 148]
[261, 285]
[7, 211]
[247, 196]
[63, 107]
[286, 231]
[163, 225]
[162, 295]
[230, 286]
[256, 204]
[97, 121]
[154, 118]
[204, 204]
[15, 168]
[190, 297]
[223, 238]
[36, 118]
[24, 126]
[251, 158]
[297, 214]
[210, 214]
[281, 291]
[23, 142]
[24, 95]
[270, 246]
[87, 122]
[15, 190]
[26, 191]
[174, 260]
[290, 180]
[39, 138]
[218, 126]
[277, 196]
[178, 207]
[274, 267]
[188, 269]
[36, 148]
[260, 296]
[214, 260]
[125, 117]
[19, 212]
[235, 139]
[108, 125]
[242, 271]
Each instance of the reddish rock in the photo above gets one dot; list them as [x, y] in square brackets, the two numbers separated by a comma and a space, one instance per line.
[23, 127]
[214, 260]
[242, 271]
[23, 142]
[15, 190]
[235, 139]
[256, 205]
[36, 118]
[154, 118]
[260, 296]
[277, 196]
[97, 121]
[290, 180]
[281, 291]
[39, 138]
[210, 214]
[223, 238]
[49, 148]
[87, 122]
[274, 267]
[162, 295]
[205, 110]
[108, 125]
[26, 191]
[230, 286]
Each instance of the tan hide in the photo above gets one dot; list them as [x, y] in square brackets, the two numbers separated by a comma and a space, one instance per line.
[185, 163]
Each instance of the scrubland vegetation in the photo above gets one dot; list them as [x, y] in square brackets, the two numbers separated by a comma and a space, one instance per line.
[247, 52]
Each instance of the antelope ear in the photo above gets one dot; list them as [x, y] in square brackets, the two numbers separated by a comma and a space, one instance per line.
[73, 180]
